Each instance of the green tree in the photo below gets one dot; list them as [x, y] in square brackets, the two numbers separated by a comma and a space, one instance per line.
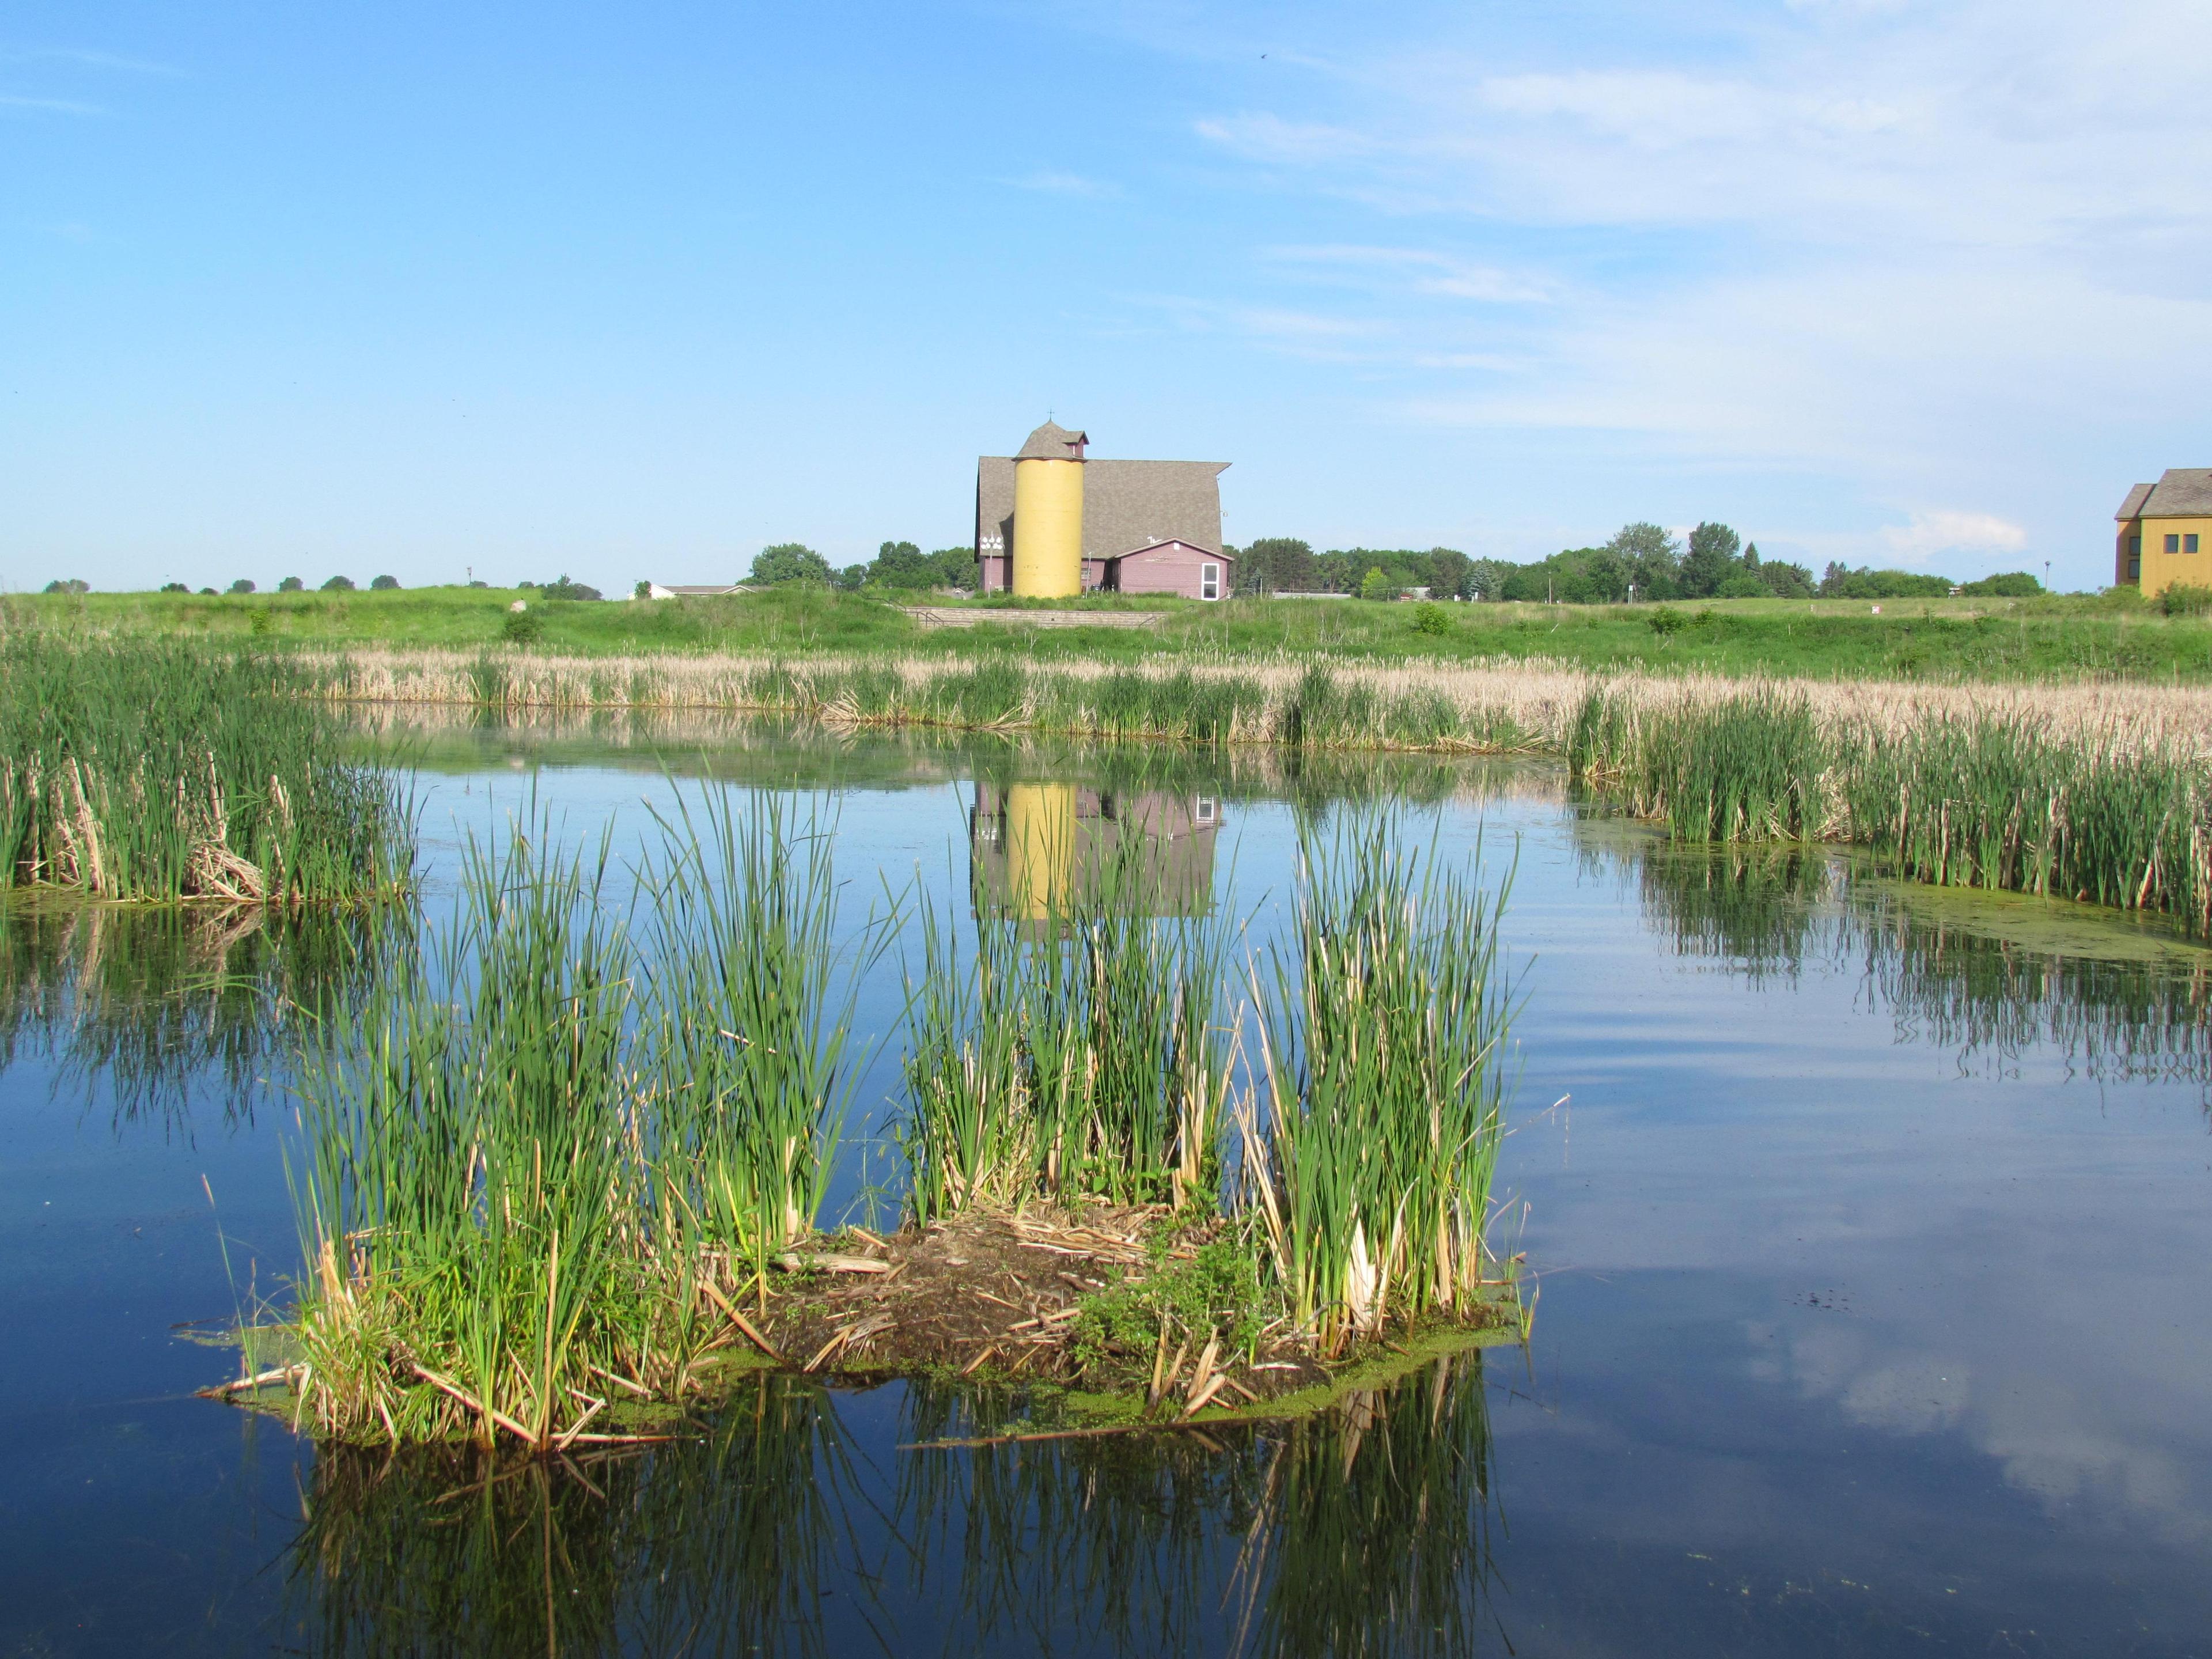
[243, 585]
[1786, 580]
[166, 587]
[851, 579]
[1486, 578]
[2009, 585]
[902, 564]
[1448, 572]
[384, 585]
[1710, 561]
[1375, 585]
[1277, 564]
[1651, 559]
[291, 585]
[957, 568]
[789, 562]
[338, 584]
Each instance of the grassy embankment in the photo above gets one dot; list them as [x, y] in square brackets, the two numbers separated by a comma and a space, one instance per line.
[2057, 637]
[150, 769]
[555, 1161]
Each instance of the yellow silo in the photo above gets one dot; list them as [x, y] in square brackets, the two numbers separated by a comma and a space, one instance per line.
[1048, 514]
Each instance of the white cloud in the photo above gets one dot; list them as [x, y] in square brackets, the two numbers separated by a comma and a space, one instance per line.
[1911, 251]
[1944, 531]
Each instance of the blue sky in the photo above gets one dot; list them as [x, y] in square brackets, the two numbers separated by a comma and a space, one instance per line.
[631, 291]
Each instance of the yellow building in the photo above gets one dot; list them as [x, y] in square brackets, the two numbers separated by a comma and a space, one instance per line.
[2165, 533]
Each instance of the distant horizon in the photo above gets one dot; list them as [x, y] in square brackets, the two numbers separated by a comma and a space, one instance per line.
[1914, 285]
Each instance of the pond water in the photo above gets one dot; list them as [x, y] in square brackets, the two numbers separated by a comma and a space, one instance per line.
[1873, 1239]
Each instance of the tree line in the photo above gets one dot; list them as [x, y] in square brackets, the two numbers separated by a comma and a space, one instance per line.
[900, 565]
[1641, 561]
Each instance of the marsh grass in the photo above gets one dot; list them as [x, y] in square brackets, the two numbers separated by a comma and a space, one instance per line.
[151, 769]
[1383, 1068]
[1083, 1052]
[528, 1150]
[1996, 801]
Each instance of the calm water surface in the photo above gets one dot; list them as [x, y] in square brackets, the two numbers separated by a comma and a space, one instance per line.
[1873, 1237]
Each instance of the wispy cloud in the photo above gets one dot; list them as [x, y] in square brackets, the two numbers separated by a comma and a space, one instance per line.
[85, 59]
[1054, 183]
[47, 105]
[1425, 271]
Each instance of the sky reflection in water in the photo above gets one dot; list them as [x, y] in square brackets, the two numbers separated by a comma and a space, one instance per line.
[1872, 1242]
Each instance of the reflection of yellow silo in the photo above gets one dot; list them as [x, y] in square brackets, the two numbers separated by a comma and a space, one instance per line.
[1048, 514]
[1040, 848]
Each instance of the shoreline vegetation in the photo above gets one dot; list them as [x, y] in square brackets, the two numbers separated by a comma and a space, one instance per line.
[1936, 639]
[2098, 793]
[141, 769]
[560, 1172]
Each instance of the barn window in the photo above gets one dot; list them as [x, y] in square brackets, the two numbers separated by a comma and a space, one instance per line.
[1209, 581]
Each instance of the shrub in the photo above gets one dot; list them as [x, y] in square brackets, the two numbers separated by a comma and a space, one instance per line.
[2007, 584]
[243, 585]
[384, 585]
[291, 585]
[475, 584]
[2184, 600]
[338, 584]
[166, 587]
[1432, 619]
[563, 589]
[1665, 623]
[1742, 587]
[642, 591]
[71, 585]
[522, 628]
[207, 592]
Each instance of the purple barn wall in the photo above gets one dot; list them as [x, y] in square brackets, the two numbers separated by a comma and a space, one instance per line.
[1169, 567]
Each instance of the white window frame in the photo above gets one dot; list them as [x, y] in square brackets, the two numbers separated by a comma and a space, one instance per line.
[1209, 581]
[1206, 810]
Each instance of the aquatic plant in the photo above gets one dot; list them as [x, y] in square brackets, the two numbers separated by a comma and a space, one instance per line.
[1383, 1068]
[148, 768]
[531, 1148]
[1075, 1047]
[1992, 800]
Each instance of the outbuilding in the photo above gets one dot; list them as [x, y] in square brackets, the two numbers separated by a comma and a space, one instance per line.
[1170, 567]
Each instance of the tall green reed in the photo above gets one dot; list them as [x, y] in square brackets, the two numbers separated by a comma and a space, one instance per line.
[524, 1150]
[1081, 1050]
[167, 769]
[1383, 1029]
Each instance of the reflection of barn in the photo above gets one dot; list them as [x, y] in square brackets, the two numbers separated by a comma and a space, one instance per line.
[1038, 847]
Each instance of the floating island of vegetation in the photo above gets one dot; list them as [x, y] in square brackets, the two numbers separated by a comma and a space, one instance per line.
[560, 1171]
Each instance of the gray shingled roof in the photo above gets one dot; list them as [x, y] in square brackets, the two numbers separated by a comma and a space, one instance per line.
[1053, 443]
[2182, 492]
[1126, 505]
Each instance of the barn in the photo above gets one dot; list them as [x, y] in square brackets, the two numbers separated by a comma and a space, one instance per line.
[1053, 520]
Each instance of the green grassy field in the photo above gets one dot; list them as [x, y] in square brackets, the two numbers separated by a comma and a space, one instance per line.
[2057, 637]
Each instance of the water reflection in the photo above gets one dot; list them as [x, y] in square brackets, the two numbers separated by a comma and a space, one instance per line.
[1045, 849]
[1992, 976]
[163, 1002]
[788, 1530]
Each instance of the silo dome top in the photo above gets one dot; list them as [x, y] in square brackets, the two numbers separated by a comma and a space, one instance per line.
[1053, 443]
